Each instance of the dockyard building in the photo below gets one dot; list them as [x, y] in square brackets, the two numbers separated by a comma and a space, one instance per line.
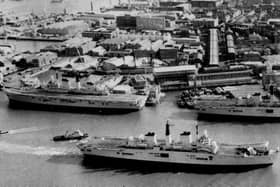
[98, 33]
[29, 60]
[67, 28]
[222, 76]
[99, 19]
[212, 51]
[173, 73]
[207, 4]
[150, 23]
[205, 22]
[126, 22]
[78, 46]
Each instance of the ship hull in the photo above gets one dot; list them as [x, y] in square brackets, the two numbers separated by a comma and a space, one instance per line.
[244, 112]
[183, 160]
[145, 166]
[82, 103]
[15, 104]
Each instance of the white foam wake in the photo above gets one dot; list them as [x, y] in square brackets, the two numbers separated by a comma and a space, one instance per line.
[229, 88]
[27, 130]
[40, 151]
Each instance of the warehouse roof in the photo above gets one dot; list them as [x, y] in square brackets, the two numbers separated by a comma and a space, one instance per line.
[167, 69]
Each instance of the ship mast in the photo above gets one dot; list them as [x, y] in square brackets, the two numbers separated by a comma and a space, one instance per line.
[195, 78]
[5, 31]
[196, 131]
[167, 128]
[168, 139]
[91, 6]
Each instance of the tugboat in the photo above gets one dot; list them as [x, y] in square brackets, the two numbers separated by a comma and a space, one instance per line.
[203, 152]
[4, 132]
[76, 135]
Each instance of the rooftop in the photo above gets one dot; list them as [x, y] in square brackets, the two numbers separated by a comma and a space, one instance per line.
[174, 68]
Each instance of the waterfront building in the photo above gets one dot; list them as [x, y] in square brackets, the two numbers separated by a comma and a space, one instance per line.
[231, 53]
[66, 28]
[73, 47]
[150, 23]
[151, 35]
[205, 22]
[113, 43]
[265, 1]
[90, 16]
[98, 33]
[126, 22]
[207, 4]
[29, 60]
[215, 76]
[173, 77]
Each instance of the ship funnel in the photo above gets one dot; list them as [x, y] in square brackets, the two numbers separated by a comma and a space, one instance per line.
[196, 131]
[168, 137]
[186, 138]
[130, 140]
[78, 85]
[151, 138]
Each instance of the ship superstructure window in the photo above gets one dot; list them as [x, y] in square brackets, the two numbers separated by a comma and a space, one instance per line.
[165, 155]
[127, 154]
[201, 158]
[269, 111]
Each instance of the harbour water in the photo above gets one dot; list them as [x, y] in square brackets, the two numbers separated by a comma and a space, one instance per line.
[29, 157]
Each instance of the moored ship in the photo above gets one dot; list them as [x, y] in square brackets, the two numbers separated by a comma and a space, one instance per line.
[93, 93]
[202, 152]
[111, 102]
[255, 106]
